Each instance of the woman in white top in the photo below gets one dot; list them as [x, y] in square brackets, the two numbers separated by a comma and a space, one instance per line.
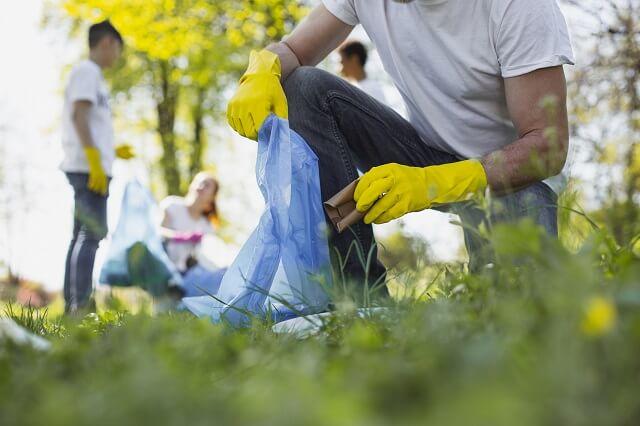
[187, 219]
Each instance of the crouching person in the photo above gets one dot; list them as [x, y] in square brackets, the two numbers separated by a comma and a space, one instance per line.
[473, 77]
[185, 222]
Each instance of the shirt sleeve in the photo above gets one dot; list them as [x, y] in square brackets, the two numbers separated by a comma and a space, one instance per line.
[167, 207]
[532, 35]
[84, 85]
[344, 10]
[166, 203]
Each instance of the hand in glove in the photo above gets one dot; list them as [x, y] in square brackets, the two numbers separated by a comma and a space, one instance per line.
[125, 152]
[98, 181]
[259, 94]
[390, 191]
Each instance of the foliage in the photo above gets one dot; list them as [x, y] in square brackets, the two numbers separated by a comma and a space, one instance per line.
[605, 100]
[33, 319]
[545, 337]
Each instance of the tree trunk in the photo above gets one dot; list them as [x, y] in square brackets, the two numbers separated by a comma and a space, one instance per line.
[166, 107]
[633, 88]
[199, 141]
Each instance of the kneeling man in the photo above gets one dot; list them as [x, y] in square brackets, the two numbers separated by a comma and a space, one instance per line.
[473, 74]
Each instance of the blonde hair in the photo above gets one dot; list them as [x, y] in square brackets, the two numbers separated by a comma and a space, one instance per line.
[212, 215]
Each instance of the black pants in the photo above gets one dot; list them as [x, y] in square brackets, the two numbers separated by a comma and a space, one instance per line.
[89, 228]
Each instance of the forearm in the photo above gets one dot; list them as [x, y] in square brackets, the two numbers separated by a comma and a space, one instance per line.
[537, 104]
[168, 233]
[288, 59]
[312, 40]
[534, 157]
[81, 125]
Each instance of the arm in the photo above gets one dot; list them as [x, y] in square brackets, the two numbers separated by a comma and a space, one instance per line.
[165, 227]
[80, 120]
[537, 104]
[174, 235]
[260, 92]
[312, 40]
[97, 181]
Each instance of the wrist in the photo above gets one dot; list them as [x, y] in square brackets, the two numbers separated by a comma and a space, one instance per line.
[263, 62]
[289, 59]
[454, 182]
[479, 174]
[92, 153]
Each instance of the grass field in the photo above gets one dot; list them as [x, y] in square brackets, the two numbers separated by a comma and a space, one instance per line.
[547, 337]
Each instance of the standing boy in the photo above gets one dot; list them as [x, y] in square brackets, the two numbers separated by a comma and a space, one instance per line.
[89, 153]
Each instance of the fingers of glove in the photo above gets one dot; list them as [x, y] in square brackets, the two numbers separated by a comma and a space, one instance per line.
[230, 119]
[280, 105]
[249, 127]
[369, 178]
[91, 184]
[104, 185]
[257, 119]
[393, 213]
[373, 193]
[235, 118]
[100, 185]
[238, 126]
[94, 184]
[385, 204]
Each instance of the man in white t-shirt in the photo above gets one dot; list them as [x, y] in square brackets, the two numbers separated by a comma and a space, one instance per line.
[473, 74]
[89, 152]
[353, 58]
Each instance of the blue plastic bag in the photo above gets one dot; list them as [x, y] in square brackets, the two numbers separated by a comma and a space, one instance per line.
[135, 255]
[283, 269]
[200, 281]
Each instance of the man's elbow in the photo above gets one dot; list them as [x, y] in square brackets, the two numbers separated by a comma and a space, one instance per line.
[557, 154]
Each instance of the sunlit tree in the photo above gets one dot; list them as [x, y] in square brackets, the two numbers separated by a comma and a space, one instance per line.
[605, 94]
[183, 53]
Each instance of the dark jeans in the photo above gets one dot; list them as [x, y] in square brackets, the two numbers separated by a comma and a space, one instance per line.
[349, 130]
[89, 228]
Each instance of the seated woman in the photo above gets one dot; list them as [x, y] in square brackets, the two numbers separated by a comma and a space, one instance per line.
[185, 221]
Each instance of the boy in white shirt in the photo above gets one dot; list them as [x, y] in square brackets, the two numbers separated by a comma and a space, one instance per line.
[89, 153]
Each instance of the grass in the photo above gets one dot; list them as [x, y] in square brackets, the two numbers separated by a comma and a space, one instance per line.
[548, 336]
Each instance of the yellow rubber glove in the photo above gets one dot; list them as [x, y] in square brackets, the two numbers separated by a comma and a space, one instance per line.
[98, 181]
[390, 191]
[260, 94]
[125, 152]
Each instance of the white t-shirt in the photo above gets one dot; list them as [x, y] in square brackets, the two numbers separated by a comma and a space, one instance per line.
[371, 88]
[181, 220]
[86, 83]
[449, 59]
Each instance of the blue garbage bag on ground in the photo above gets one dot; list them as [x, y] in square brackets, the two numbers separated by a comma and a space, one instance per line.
[283, 270]
[135, 255]
[201, 281]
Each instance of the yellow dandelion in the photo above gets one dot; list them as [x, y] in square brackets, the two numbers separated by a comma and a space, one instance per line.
[599, 317]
